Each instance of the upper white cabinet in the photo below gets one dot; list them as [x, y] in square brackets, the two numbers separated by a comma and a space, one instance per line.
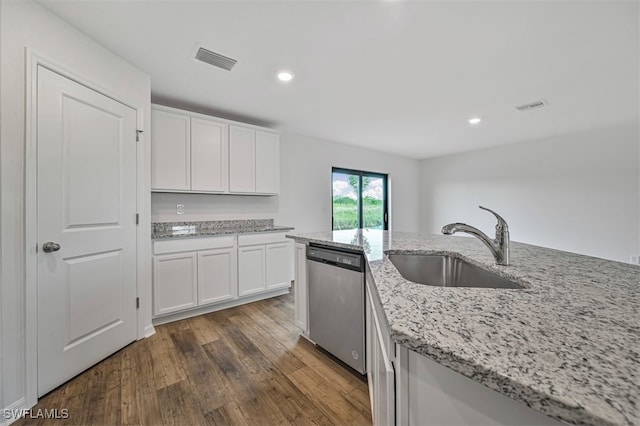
[170, 151]
[242, 159]
[267, 163]
[188, 153]
[197, 153]
[209, 152]
[254, 161]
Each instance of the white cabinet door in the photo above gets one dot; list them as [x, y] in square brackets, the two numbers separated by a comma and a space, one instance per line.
[384, 383]
[209, 156]
[170, 151]
[267, 163]
[278, 258]
[217, 275]
[301, 299]
[174, 283]
[437, 395]
[380, 372]
[242, 159]
[251, 270]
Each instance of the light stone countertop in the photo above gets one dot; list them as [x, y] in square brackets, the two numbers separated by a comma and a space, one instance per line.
[172, 230]
[567, 345]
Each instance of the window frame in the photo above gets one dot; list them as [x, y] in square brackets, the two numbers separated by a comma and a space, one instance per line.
[385, 194]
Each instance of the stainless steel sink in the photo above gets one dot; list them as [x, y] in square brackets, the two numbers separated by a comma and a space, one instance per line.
[446, 271]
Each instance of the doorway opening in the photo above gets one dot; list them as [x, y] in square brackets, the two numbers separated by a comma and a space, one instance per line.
[359, 199]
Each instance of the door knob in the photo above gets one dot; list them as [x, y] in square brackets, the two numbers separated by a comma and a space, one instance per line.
[50, 246]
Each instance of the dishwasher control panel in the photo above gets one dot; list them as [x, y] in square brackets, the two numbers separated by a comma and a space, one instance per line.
[336, 256]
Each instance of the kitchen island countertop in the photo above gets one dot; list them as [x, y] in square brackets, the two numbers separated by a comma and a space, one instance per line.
[566, 345]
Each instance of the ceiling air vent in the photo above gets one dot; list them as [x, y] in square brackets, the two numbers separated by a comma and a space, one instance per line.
[215, 59]
[532, 105]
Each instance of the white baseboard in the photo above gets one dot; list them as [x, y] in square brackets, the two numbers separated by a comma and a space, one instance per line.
[149, 331]
[8, 415]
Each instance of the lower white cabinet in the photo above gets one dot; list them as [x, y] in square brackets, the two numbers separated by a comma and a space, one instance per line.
[380, 371]
[191, 273]
[407, 388]
[217, 275]
[429, 393]
[278, 260]
[301, 289]
[175, 283]
[251, 270]
[264, 263]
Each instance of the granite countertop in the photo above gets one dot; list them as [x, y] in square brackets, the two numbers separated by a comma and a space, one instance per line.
[567, 344]
[166, 230]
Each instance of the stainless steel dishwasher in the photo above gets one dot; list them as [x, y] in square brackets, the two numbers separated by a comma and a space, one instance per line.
[336, 303]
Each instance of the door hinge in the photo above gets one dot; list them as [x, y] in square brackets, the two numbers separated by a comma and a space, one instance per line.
[137, 303]
[137, 218]
[138, 132]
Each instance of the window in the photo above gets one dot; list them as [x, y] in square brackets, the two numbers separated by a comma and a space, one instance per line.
[359, 199]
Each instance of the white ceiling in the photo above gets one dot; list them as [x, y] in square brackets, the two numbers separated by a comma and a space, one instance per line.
[394, 76]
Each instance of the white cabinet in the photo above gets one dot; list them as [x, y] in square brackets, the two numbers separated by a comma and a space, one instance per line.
[175, 284]
[301, 288]
[407, 388]
[254, 161]
[278, 263]
[267, 163]
[242, 159]
[432, 394]
[217, 270]
[191, 273]
[188, 153]
[251, 270]
[170, 151]
[209, 153]
[192, 152]
[264, 262]
[380, 371]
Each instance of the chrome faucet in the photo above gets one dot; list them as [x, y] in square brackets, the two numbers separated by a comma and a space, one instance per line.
[499, 246]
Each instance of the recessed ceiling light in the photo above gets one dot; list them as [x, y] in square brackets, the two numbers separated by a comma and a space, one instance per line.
[285, 76]
[475, 120]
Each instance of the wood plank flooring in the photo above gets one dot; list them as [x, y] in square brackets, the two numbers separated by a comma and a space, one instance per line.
[241, 366]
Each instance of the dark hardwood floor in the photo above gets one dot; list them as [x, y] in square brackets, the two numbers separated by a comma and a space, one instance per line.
[241, 366]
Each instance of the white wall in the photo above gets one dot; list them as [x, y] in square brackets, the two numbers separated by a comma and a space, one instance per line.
[305, 188]
[305, 201]
[212, 207]
[577, 192]
[26, 24]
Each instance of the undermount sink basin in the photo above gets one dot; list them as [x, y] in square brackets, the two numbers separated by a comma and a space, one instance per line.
[446, 271]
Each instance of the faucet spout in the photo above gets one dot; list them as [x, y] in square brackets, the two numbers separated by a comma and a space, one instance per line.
[499, 246]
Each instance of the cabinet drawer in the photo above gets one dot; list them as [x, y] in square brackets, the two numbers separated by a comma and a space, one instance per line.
[266, 238]
[195, 244]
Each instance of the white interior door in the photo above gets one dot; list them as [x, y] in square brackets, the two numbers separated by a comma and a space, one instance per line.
[86, 204]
